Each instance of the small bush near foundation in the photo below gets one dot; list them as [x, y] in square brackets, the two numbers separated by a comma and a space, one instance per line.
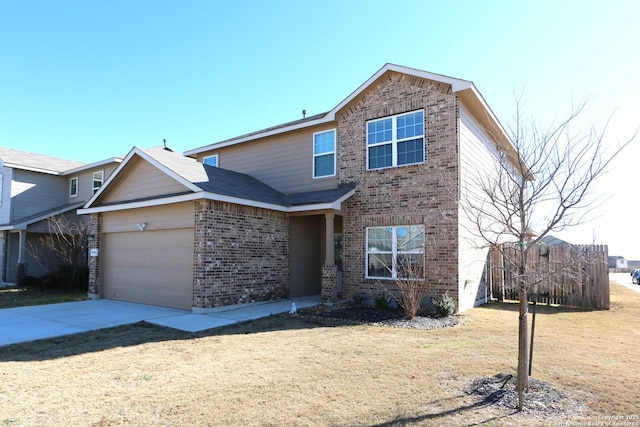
[64, 278]
[382, 302]
[445, 305]
[27, 282]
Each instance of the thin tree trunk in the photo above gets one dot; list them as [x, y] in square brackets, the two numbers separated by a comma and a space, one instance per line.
[523, 354]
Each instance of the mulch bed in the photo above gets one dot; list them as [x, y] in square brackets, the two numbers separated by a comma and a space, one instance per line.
[358, 314]
[543, 400]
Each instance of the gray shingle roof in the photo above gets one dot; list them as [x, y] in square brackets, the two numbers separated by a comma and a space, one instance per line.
[234, 184]
[39, 162]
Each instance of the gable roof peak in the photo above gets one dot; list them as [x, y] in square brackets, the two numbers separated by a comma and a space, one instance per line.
[456, 84]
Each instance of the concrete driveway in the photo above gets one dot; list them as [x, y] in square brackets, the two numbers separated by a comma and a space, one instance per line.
[22, 324]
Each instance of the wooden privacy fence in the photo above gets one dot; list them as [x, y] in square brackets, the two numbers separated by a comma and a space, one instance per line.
[573, 275]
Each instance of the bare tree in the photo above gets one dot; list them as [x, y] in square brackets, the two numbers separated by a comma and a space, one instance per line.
[540, 183]
[65, 246]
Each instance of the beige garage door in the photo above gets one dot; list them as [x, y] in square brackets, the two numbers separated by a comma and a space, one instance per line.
[149, 267]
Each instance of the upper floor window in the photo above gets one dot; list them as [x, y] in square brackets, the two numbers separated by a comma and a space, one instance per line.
[395, 252]
[98, 179]
[324, 153]
[211, 160]
[395, 141]
[73, 187]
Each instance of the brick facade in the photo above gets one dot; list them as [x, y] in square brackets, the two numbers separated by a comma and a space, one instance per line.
[241, 255]
[416, 194]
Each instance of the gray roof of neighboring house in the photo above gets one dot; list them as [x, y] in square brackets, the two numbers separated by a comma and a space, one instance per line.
[235, 184]
[40, 216]
[36, 162]
[551, 240]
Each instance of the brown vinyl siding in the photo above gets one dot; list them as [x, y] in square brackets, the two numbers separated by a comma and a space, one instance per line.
[179, 215]
[141, 181]
[285, 162]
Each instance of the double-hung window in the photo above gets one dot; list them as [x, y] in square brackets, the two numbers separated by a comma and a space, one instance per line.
[395, 141]
[211, 160]
[395, 252]
[324, 153]
[73, 187]
[98, 179]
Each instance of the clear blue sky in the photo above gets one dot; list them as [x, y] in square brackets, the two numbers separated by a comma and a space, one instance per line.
[87, 80]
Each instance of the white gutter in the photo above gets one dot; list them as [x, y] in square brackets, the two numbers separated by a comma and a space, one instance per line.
[335, 205]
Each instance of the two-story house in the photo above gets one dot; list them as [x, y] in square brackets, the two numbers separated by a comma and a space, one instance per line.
[33, 188]
[335, 204]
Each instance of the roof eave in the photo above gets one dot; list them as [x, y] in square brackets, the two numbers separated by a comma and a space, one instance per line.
[335, 205]
[327, 118]
[92, 165]
[22, 225]
[135, 151]
[456, 84]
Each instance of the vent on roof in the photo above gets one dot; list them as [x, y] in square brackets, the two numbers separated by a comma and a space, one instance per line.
[164, 141]
[304, 113]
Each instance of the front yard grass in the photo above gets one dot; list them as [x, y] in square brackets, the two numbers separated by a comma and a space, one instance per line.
[18, 296]
[285, 371]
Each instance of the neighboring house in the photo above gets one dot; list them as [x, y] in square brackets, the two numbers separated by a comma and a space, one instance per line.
[330, 204]
[618, 262]
[552, 240]
[33, 188]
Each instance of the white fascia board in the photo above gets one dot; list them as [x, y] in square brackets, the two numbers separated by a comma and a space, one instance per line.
[336, 205]
[136, 151]
[245, 202]
[456, 84]
[480, 99]
[32, 169]
[111, 177]
[190, 185]
[92, 165]
[329, 117]
[140, 204]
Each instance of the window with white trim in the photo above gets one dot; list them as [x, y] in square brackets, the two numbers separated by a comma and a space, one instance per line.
[395, 252]
[73, 187]
[395, 141]
[98, 179]
[324, 153]
[211, 160]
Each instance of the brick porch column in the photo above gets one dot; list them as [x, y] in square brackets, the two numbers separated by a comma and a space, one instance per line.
[329, 288]
[94, 256]
[329, 283]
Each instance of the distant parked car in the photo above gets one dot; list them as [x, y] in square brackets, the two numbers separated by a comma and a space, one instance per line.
[635, 277]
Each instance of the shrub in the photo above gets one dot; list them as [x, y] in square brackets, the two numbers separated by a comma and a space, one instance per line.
[64, 278]
[27, 282]
[445, 305]
[382, 302]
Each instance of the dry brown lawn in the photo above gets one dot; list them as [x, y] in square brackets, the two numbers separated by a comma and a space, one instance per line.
[284, 371]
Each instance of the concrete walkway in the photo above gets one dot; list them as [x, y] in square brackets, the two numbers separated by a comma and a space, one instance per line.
[22, 324]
